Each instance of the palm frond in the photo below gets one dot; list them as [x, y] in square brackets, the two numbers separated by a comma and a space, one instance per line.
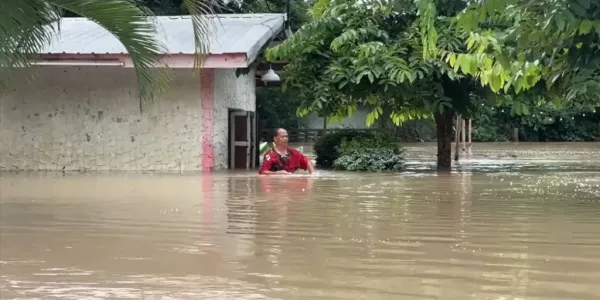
[129, 23]
[203, 27]
[26, 26]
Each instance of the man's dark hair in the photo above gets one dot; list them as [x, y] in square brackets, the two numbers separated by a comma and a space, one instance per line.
[276, 132]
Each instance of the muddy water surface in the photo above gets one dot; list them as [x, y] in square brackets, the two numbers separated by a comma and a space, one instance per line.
[525, 227]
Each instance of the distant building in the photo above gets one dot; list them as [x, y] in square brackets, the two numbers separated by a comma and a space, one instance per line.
[357, 121]
[82, 111]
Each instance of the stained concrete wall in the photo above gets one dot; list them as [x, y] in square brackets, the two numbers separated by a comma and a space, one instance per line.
[88, 118]
[231, 92]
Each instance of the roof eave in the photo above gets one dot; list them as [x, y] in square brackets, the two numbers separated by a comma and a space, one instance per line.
[265, 39]
[174, 61]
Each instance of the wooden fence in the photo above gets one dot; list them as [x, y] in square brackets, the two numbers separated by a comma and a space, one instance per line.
[303, 135]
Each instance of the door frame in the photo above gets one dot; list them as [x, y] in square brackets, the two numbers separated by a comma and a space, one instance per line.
[250, 136]
[253, 140]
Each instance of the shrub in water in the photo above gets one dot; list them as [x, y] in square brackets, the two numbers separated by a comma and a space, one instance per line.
[326, 146]
[372, 154]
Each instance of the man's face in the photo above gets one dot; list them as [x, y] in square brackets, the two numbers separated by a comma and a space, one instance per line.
[282, 137]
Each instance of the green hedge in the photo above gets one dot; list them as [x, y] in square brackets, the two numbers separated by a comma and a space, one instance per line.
[326, 145]
[359, 150]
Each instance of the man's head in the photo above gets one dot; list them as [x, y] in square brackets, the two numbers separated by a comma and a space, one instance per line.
[280, 137]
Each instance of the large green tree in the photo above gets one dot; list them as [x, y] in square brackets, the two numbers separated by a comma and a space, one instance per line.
[383, 55]
[26, 26]
[561, 37]
[428, 58]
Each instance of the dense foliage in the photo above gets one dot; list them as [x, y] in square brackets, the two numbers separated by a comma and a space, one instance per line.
[361, 55]
[369, 153]
[375, 54]
[552, 126]
[417, 59]
[277, 108]
[329, 146]
[326, 147]
[559, 37]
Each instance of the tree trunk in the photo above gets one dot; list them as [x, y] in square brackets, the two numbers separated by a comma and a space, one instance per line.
[457, 137]
[463, 131]
[443, 123]
[470, 147]
[516, 134]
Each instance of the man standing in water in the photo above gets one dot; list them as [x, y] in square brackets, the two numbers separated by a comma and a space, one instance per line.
[283, 160]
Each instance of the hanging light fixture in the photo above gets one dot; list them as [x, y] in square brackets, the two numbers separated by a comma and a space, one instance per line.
[270, 76]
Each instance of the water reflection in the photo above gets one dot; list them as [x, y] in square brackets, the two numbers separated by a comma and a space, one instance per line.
[466, 235]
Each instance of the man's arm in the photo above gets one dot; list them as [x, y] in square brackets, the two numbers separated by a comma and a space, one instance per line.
[267, 172]
[309, 168]
[306, 164]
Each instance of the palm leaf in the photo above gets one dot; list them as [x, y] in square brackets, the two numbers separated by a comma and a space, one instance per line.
[25, 28]
[129, 23]
[203, 27]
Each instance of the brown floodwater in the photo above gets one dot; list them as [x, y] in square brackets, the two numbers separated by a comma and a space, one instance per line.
[497, 227]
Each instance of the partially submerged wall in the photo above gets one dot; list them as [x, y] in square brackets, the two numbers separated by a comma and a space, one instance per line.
[88, 118]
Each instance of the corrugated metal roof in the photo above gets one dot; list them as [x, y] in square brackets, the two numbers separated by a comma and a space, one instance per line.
[232, 33]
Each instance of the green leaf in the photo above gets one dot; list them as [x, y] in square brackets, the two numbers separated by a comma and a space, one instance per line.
[26, 26]
[560, 22]
[586, 27]
[524, 109]
[371, 77]
[204, 28]
[495, 82]
[577, 9]
[585, 4]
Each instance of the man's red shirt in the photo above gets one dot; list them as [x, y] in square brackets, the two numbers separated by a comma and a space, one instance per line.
[273, 162]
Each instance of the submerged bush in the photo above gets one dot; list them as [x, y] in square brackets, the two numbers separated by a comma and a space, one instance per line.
[326, 146]
[370, 160]
[374, 153]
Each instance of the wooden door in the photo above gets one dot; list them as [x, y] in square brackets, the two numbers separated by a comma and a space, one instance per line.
[242, 135]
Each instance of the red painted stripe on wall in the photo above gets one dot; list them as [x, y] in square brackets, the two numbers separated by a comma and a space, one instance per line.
[207, 98]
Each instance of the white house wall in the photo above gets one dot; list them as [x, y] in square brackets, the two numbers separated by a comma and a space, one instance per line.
[88, 118]
[235, 93]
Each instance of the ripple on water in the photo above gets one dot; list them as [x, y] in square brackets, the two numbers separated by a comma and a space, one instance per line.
[146, 287]
[467, 235]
